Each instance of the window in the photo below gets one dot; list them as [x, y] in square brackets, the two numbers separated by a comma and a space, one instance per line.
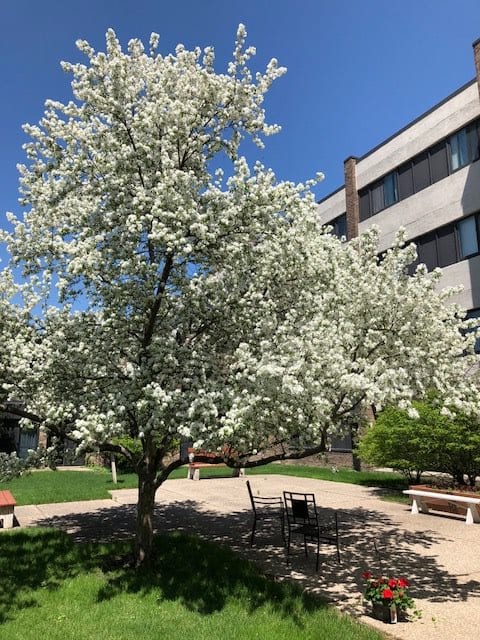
[475, 313]
[421, 172]
[467, 233]
[427, 250]
[459, 149]
[390, 189]
[473, 141]
[405, 181]
[377, 198]
[438, 162]
[365, 204]
[446, 246]
[340, 226]
[426, 168]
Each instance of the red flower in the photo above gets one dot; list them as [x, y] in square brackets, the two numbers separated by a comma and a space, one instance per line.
[403, 583]
[387, 594]
[392, 583]
[366, 575]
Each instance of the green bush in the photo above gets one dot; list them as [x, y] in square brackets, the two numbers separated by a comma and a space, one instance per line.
[133, 444]
[432, 442]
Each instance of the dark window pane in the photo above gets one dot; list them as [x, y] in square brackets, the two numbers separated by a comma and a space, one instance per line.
[438, 162]
[467, 232]
[412, 267]
[341, 226]
[377, 198]
[473, 143]
[459, 149]
[421, 172]
[365, 204]
[474, 313]
[405, 181]
[341, 443]
[447, 250]
[390, 189]
[427, 250]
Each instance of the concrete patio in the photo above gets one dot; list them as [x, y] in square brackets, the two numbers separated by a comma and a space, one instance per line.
[439, 554]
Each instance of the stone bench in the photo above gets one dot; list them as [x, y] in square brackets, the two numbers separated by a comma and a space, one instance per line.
[193, 470]
[7, 506]
[419, 502]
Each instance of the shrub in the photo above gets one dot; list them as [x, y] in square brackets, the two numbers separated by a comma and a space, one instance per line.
[135, 446]
[431, 442]
[400, 442]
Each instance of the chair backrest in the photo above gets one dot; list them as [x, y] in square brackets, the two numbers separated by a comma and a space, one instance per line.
[262, 503]
[300, 508]
[250, 495]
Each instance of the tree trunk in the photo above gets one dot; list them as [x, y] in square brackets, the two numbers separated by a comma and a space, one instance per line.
[145, 507]
[356, 462]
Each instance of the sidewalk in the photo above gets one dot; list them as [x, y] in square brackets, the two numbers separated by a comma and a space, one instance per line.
[440, 555]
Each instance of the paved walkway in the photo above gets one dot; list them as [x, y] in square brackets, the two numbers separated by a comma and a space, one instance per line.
[440, 555]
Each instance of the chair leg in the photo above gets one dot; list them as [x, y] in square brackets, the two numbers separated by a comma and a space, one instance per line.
[282, 524]
[288, 547]
[254, 526]
[318, 553]
[336, 537]
[305, 546]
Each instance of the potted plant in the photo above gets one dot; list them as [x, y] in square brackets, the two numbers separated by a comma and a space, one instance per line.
[389, 597]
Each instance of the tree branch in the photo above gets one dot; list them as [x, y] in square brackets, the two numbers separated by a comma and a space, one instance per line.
[148, 332]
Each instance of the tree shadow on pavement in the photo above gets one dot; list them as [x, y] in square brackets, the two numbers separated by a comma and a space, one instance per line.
[369, 539]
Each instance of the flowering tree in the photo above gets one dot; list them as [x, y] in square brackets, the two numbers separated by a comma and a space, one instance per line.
[192, 304]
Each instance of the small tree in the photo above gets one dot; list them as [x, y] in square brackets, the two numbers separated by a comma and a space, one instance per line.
[192, 303]
[430, 442]
[457, 442]
[401, 442]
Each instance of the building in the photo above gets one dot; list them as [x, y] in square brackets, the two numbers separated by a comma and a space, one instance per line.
[15, 439]
[425, 178]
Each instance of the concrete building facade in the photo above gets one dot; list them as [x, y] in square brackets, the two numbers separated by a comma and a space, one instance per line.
[425, 178]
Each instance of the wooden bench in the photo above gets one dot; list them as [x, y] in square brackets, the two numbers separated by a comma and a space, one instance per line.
[193, 470]
[419, 504]
[7, 506]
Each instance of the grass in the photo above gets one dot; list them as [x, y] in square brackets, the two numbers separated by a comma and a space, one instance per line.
[54, 589]
[43, 487]
[380, 479]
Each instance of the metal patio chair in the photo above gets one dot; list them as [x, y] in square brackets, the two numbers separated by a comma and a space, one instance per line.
[302, 519]
[269, 510]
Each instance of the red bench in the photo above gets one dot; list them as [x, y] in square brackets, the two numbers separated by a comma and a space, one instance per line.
[193, 471]
[7, 506]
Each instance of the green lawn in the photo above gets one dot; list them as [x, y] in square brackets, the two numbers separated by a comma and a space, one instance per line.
[42, 487]
[53, 589]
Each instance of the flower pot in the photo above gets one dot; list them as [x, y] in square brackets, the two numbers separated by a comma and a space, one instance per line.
[385, 613]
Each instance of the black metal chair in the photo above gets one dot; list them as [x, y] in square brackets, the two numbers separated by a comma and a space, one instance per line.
[302, 519]
[267, 509]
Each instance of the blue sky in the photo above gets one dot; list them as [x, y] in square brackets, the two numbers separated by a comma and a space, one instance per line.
[357, 70]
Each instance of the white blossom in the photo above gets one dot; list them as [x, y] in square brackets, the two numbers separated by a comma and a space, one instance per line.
[195, 302]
